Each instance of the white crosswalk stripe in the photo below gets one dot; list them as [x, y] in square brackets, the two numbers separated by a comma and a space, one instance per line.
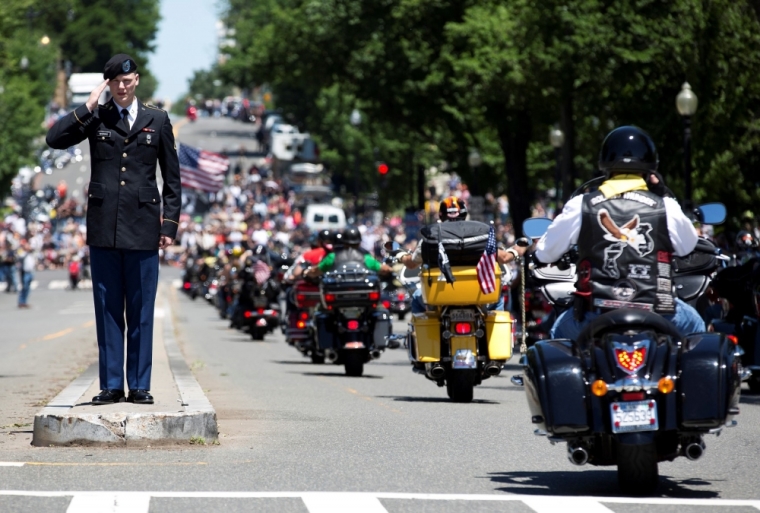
[109, 503]
[4, 285]
[64, 284]
[339, 502]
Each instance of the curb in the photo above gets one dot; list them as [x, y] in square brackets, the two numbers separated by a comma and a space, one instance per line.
[57, 425]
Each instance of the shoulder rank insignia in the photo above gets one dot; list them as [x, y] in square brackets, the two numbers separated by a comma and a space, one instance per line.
[153, 107]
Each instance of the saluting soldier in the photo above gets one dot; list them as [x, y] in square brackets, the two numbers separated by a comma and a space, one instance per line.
[124, 222]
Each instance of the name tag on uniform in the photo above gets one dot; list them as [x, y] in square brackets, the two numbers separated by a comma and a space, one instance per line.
[104, 134]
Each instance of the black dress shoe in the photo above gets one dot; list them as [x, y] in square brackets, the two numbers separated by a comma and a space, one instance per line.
[109, 396]
[140, 397]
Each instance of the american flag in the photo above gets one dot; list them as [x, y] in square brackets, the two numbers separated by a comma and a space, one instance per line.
[487, 265]
[261, 272]
[202, 170]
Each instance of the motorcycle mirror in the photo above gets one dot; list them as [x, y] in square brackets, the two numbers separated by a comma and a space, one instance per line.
[711, 213]
[535, 227]
[392, 245]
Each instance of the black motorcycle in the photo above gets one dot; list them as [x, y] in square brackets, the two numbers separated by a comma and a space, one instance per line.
[738, 292]
[349, 327]
[630, 391]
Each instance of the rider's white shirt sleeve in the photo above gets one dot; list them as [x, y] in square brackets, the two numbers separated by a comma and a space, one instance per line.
[563, 232]
[683, 235]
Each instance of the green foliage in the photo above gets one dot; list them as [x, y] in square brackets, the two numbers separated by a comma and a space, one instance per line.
[24, 91]
[496, 75]
[208, 84]
[86, 33]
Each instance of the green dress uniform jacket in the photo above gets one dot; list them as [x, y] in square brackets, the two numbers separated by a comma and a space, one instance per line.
[123, 201]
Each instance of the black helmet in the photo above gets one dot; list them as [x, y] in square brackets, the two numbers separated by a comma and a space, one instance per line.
[745, 240]
[452, 209]
[324, 237]
[628, 149]
[351, 236]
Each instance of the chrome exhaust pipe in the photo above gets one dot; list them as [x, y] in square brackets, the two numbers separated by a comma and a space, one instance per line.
[492, 369]
[437, 372]
[577, 454]
[694, 450]
[375, 354]
[331, 355]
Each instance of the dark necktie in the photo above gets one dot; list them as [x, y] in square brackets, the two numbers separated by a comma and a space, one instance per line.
[124, 123]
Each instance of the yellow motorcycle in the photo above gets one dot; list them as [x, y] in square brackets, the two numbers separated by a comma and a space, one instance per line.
[458, 342]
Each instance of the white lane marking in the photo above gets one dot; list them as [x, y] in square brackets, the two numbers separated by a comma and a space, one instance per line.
[176, 284]
[342, 503]
[561, 503]
[576, 505]
[129, 502]
[64, 284]
[12, 463]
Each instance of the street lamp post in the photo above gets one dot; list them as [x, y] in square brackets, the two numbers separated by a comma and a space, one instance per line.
[686, 103]
[557, 139]
[474, 160]
[356, 120]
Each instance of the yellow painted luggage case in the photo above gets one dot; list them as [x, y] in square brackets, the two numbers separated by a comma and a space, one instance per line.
[426, 344]
[499, 330]
[464, 291]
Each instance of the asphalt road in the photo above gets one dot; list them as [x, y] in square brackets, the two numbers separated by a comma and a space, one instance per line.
[289, 428]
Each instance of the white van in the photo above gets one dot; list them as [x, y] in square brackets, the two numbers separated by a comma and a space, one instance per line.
[321, 216]
[82, 84]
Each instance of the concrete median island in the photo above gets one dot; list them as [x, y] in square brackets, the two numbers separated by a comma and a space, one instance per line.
[181, 412]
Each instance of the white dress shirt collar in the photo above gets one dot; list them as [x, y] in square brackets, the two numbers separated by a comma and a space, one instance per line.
[131, 110]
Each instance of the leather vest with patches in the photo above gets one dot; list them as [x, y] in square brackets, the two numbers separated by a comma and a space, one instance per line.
[625, 253]
[349, 256]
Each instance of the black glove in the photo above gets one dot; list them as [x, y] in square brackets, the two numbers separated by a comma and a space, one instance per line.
[659, 187]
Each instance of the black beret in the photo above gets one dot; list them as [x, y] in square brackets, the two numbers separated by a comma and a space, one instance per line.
[119, 65]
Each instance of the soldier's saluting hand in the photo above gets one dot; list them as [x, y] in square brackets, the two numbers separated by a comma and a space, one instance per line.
[125, 226]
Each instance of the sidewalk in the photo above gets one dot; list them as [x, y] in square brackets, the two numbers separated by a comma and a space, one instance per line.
[181, 410]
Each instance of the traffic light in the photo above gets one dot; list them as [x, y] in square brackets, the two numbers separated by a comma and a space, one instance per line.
[382, 168]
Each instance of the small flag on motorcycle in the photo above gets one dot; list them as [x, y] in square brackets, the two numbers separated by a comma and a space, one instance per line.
[487, 265]
[444, 266]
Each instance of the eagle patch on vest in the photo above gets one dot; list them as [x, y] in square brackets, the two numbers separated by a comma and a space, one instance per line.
[634, 234]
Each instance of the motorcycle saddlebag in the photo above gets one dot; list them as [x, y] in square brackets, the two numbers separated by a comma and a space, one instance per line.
[555, 387]
[709, 383]
[464, 242]
[425, 344]
[499, 332]
[383, 328]
[325, 335]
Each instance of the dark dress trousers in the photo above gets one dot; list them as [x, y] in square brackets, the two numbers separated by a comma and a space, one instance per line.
[123, 227]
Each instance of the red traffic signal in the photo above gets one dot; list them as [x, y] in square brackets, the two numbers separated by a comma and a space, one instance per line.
[382, 168]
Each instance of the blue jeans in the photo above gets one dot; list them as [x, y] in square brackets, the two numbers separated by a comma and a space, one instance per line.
[8, 275]
[418, 305]
[26, 286]
[686, 320]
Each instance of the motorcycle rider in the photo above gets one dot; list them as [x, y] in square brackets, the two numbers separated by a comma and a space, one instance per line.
[321, 246]
[626, 236]
[349, 241]
[454, 209]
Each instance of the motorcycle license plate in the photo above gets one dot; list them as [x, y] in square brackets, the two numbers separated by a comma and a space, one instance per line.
[634, 416]
[462, 315]
[260, 302]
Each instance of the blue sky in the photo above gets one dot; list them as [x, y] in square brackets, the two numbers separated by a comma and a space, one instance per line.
[186, 41]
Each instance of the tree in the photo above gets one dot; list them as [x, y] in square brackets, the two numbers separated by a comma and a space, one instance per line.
[27, 70]
[496, 75]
